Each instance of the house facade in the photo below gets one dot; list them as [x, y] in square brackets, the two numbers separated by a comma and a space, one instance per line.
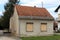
[58, 19]
[31, 21]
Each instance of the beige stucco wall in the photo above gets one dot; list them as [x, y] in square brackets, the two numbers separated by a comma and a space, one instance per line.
[36, 28]
[58, 19]
[14, 23]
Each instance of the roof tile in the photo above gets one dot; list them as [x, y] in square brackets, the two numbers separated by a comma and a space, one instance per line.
[32, 11]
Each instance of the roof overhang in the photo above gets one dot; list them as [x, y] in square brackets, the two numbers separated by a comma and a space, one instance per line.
[35, 18]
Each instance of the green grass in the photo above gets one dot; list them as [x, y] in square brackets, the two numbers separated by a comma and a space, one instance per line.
[55, 37]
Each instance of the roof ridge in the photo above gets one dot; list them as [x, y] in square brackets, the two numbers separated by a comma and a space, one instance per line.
[30, 6]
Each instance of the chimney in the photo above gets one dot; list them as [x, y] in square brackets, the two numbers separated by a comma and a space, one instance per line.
[34, 6]
[42, 4]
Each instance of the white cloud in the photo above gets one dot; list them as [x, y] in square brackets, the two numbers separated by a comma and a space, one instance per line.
[51, 10]
[59, 2]
[35, 2]
[3, 1]
[1, 13]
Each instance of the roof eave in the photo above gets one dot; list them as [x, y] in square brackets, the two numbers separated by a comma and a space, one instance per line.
[57, 8]
[35, 18]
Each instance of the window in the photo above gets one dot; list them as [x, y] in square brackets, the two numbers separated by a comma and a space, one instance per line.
[43, 27]
[59, 15]
[29, 27]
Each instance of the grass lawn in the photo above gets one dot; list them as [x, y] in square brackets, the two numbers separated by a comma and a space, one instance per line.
[55, 37]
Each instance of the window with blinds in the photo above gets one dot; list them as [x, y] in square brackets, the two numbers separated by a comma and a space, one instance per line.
[29, 27]
[43, 27]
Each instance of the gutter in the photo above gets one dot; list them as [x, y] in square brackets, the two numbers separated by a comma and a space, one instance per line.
[35, 18]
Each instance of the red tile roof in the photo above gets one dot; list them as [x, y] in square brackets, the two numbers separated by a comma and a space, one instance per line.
[32, 11]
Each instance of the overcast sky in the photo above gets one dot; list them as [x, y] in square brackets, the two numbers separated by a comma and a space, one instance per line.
[50, 5]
